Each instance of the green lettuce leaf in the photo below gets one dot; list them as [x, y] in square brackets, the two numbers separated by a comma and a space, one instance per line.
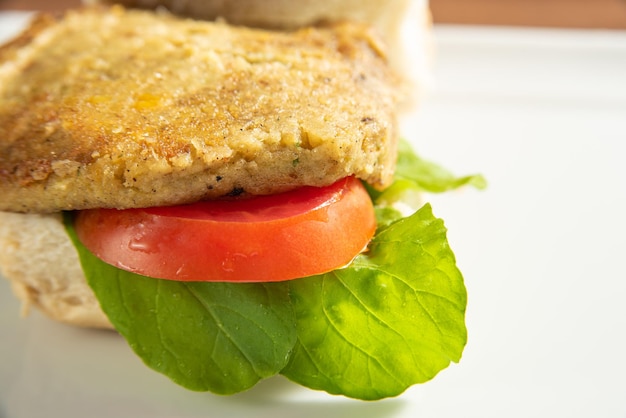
[393, 318]
[430, 176]
[415, 175]
[220, 337]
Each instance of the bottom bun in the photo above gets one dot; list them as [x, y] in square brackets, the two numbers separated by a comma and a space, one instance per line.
[39, 259]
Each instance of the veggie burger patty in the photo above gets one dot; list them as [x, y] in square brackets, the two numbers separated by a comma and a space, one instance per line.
[206, 110]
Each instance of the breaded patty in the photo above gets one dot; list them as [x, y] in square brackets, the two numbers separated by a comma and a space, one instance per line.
[117, 108]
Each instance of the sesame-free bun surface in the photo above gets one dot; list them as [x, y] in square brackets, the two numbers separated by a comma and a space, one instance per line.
[386, 16]
[39, 259]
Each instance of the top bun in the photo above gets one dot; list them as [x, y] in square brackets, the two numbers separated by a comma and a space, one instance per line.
[286, 14]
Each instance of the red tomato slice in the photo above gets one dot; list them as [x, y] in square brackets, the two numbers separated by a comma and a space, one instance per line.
[266, 238]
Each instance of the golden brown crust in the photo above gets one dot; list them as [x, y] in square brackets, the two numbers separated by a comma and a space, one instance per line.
[8, 51]
[115, 108]
[403, 24]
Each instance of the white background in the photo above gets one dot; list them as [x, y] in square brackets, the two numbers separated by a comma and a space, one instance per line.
[541, 114]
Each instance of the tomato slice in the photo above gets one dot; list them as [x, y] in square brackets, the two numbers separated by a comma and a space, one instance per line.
[290, 235]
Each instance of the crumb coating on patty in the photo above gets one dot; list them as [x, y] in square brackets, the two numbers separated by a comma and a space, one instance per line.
[120, 108]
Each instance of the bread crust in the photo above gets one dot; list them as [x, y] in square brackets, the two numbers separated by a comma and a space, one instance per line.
[39, 259]
[205, 110]
[386, 16]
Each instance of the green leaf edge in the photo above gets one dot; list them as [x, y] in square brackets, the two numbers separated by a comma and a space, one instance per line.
[430, 177]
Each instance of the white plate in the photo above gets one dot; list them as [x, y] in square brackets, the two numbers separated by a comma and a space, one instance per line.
[543, 115]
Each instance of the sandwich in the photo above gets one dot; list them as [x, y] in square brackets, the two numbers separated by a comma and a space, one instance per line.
[231, 200]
